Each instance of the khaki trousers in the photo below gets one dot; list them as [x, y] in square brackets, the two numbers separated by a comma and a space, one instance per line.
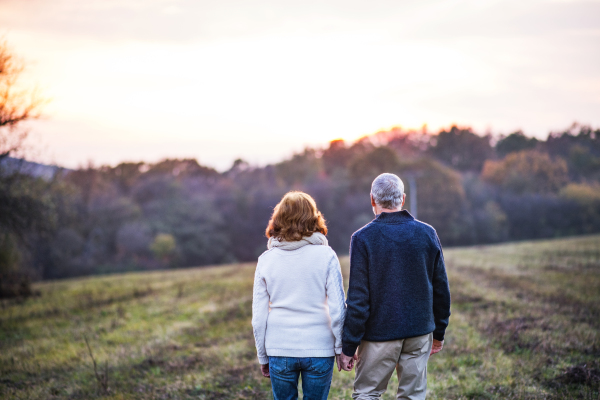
[377, 360]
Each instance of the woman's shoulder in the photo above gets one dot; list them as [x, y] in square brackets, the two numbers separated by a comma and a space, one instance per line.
[324, 252]
[265, 254]
[328, 250]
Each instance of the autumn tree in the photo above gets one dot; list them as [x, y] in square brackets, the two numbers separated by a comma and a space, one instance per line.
[461, 148]
[441, 199]
[516, 141]
[336, 156]
[365, 168]
[301, 167]
[527, 172]
[580, 147]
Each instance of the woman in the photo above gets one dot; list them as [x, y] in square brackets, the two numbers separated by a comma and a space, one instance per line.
[298, 307]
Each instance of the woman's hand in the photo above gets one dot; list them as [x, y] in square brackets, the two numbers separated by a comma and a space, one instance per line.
[264, 368]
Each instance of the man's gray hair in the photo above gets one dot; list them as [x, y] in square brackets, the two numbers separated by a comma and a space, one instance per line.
[387, 190]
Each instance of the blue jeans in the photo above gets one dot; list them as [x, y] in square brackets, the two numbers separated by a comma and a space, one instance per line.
[316, 377]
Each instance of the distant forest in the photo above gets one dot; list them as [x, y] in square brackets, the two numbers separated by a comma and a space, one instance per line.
[472, 189]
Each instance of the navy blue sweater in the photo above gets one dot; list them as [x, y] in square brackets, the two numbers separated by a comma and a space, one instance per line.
[398, 284]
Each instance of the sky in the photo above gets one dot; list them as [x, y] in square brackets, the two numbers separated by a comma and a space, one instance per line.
[133, 80]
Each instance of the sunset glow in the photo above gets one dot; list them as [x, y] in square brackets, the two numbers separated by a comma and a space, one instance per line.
[143, 80]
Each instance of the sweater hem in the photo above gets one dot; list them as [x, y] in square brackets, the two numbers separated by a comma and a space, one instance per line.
[350, 348]
[390, 338]
[301, 353]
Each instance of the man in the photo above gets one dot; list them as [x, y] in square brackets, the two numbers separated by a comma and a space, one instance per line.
[398, 297]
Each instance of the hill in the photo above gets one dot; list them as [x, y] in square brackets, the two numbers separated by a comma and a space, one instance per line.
[11, 165]
[525, 325]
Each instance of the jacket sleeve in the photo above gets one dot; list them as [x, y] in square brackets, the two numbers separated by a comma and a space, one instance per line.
[441, 295]
[358, 305]
[335, 301]
[260, 313]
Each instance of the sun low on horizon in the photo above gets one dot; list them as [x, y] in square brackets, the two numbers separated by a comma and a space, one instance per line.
[136, 80]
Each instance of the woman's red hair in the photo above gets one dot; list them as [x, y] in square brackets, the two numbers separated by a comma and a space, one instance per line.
[294, 217]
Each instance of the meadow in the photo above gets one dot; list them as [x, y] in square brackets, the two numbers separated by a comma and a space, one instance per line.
[525, 324]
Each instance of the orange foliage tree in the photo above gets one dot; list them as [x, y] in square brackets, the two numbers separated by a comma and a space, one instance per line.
[527, 172]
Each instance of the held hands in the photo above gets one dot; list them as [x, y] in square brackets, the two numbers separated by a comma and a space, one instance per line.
[436, 346]
[264, 369]
[345, 362]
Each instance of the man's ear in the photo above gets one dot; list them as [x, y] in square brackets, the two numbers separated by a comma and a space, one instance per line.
[403, 199]
[372, 200]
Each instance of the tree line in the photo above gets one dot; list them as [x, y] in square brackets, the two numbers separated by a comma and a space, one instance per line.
[178, 213]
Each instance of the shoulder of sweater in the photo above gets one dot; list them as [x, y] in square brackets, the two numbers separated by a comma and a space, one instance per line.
[327, 249]
[264, 253]
[426, 229]
[323, 250]
[424, 226]
[365, 230]
[332, 254]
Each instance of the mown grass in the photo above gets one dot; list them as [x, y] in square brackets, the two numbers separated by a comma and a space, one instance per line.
[525, 325]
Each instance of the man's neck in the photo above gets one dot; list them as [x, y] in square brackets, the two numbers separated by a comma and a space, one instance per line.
[379, 210]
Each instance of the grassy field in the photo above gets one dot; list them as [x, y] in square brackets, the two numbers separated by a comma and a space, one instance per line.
[525, 325]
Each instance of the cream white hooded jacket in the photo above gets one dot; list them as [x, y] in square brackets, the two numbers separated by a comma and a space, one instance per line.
[298, 305]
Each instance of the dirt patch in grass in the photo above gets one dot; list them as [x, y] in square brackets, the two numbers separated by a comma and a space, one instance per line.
[9, 383]
[175, 364]
[577, 266]
[206, 394]
[510, 333]
[462, 298]
[235, 376]
[582, 374]
[580, 381]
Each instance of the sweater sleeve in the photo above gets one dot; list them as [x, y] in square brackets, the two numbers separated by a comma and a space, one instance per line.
[441, 296]
[260, 313]
[358, 304]
[335, 301]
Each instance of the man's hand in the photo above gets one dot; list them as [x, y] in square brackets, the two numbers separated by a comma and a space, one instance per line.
[264, 368]
[345, 362]
[436, 346]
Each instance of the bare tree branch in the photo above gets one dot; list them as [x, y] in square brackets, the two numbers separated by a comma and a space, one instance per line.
[17, 104]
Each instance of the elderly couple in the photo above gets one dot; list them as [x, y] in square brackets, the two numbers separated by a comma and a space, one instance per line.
[395, 315]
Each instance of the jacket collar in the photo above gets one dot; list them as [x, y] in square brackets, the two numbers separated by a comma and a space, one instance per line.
[397, 217]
